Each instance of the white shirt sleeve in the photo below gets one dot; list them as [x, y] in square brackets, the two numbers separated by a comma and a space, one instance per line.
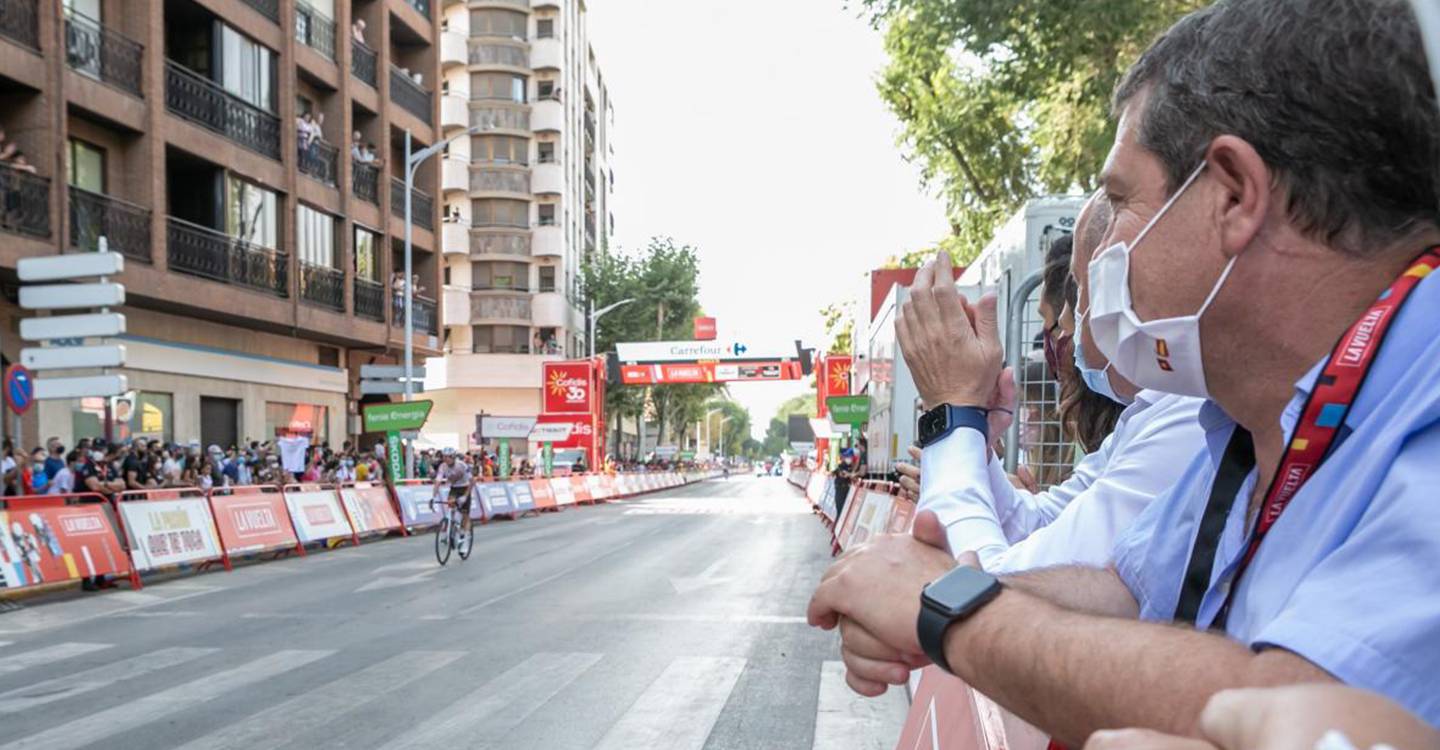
[1022, 512]
[955, 484]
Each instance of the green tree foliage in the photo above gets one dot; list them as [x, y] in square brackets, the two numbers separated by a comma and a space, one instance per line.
[839, 326]
[776, 434]
[1001, 100]
[736, 430]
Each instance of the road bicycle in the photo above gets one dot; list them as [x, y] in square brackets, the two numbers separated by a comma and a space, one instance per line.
[450, 532]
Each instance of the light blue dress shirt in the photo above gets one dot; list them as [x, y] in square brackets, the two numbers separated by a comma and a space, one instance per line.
[1349, 577]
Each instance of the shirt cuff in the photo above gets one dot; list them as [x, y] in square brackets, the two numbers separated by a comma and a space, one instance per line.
[955, 485]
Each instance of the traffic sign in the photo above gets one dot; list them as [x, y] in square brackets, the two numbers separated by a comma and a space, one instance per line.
[19, 389]
[397, 416]
[72, 357]
[389, 387]
[72, 296]
[851, 410]
[93, 385]
[72, 326]
[391, 372]
[70, 266]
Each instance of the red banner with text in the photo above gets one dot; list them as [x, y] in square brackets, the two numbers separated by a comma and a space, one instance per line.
[51, 543]
[568, 388]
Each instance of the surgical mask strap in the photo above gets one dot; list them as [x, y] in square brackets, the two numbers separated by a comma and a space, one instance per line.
[1163, 209]
[1215, 290]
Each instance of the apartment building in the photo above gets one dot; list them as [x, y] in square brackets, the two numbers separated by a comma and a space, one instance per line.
[258, 260]
[526, 201]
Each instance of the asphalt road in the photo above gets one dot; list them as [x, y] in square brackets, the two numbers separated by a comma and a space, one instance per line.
[675, 620]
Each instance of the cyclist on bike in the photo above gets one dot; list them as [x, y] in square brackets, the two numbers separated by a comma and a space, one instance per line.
[456, 473]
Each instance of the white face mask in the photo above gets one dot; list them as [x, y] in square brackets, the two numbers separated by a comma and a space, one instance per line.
[1162, 354]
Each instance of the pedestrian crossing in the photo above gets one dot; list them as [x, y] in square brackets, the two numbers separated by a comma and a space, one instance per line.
[82, 694]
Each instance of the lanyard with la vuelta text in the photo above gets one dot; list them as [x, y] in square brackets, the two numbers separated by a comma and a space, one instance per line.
[1327, 406]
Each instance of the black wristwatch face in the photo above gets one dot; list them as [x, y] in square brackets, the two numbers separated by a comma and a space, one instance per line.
[960, 591]
[933, 422]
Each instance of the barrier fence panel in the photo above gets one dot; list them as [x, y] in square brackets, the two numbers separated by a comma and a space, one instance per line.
[414, 496]
[58, 538]
[370, 508]
[827, 500]
[580, 488]
[947, 714]
[522, 497]
[846, 527]
[544, 493]
[168, 527]
[494, 501]
[253, 518]
[596, 484]
[563, 491]
[317, 513]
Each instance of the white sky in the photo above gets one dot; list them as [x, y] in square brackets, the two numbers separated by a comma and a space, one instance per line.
[752, 130]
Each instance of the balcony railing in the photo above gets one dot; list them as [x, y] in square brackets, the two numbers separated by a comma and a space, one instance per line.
[24, 202]
[323, 285]
[499, 54]
[369, 299]
[501, 286]
[125, 226]
[201, 101]
[421, 6]
[268, 8]
[426, 318]
[98, 52]
[487, 180]
[500, 118]
[500, 244]
[422, 206]
[20, 21]
[409, 95]
[205, 252]
[315, 30]
[320, 161]
[365, 182]
[362, 62]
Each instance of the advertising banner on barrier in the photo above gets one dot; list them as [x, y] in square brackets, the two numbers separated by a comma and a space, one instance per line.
[901, 516]
[369, 507]
[827, 500]
[521, 496]
[170, 532]
[596, 483]
[947, 714]
[611, 484]
[845, 529]
[252, 522]
[874, 518]
[415, 507]
[562, 490]
[496, 499]
[57, 543]
[543, 492]
[815, 487]
[580, 488]
[317, 514]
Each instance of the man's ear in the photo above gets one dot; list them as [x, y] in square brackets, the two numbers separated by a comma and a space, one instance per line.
[1244, 198]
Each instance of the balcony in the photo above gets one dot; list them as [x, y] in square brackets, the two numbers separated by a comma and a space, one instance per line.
[550, 310]
[369, 299]
[452, 49]
[20, 22]
[454, 111]
[409, 95]
[98, 52]
[320, 161]
[548, 241]
[422, 206]
[516, 245]
[549, 114]
[365, 182]
[426, 320]
[125, 226]
[201, 101]
[204, 252]
[314, 29]
[510, 180]
[457, 305]
[26, 205]
[547, 54]
[512, 55]
[549, 178]
[362, 62]
[487, 306]
[454, 174]
[492, 117]
[323, 286]
[455, 238]
[502, 284]
[268, 8]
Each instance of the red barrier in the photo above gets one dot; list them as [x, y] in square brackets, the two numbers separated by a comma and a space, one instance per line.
[372, 508]
[318, 514]
[253, 518]
[54, 538]
[947, 714]
[168, 527]
[580, 488]
[845, 527]
[543, 494]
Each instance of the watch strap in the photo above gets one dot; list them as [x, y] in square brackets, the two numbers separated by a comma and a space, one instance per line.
[931, 629]
[956, 417]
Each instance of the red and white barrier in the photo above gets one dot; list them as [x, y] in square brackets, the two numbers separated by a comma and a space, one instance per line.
[544, 494]
[580, 489]
[563, 490]
[947, 714]
[168, 527]
[370, 507]
[58, 538]
[253, 518]
[317, 513]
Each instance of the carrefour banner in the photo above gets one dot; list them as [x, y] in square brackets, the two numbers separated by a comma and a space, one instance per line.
[170, 532]
[58, 543]
[414, 502]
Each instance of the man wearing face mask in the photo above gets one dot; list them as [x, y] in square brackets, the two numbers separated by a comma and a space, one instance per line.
[1271, 250]
[1078, 520]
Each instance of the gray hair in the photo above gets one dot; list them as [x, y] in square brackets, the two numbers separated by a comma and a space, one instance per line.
[1334, 95]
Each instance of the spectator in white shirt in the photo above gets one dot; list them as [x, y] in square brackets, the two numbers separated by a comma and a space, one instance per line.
[1078, 520]
[64, 480]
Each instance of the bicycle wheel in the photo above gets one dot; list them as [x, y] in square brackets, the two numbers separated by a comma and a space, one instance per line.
[467, 540]
[442, 540]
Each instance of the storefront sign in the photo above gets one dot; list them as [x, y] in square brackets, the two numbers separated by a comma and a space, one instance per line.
[567, 388]
[396, 416]
[169, 532]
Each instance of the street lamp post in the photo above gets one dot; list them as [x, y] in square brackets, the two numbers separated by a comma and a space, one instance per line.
[412, 163]
[596, 315]
[710, 436]
[723, 420]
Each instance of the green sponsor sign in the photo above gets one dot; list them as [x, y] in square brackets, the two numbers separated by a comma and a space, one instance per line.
[852, 410]
[687, 455]
[547, 458]
[503, 459]
[395, 456]
[396, 416]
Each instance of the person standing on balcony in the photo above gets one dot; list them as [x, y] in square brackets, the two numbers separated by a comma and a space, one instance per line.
[357, 30]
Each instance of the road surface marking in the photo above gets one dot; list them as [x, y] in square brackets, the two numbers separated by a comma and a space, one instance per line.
[46, 655]
[708, 577]
[549, 578]
[126, 716]
[324, 704]
[62, 614]
[500, 705]
[5, 643]
[48, 691]
[679, 708]
[846, 719]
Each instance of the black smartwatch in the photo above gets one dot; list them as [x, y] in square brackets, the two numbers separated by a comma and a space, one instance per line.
[948, 600]
[946, 418]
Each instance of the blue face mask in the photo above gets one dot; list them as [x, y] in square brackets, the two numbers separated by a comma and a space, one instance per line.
[1096, 380]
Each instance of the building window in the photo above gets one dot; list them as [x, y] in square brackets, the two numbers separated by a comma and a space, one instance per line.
[547, 152]
[547, 278]
[545, 89]
[495, 22]
[501, 340]
[547, 214]
[500, 275]
[367, 255]
[314, 236]
[545, 28]
[500, 212]
[251, 213]
[137, 414]
[506, 87]
[287, 420]
[247, 69]
[86, 166]
[500, 149]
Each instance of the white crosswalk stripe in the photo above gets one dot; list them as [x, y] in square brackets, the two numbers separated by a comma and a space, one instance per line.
[3, 644]
[48, 691]
[126, 716]
[321, 705]
[679, 708]
[46, 655]
[846, 719]
[500, 705]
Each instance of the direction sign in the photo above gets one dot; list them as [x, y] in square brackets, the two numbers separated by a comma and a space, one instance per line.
[71, 296]
[70, 266]
[397, 416]
[72, 326]
[391, 372]
[72, 357]
[19, 389]
[93, 385]
[851, 410]
[387, 387]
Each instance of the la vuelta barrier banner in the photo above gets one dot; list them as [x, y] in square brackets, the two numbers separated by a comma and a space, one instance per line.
[369, 507]
[170, 532]
[317, 514]
[58, 543]
[253, 522]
